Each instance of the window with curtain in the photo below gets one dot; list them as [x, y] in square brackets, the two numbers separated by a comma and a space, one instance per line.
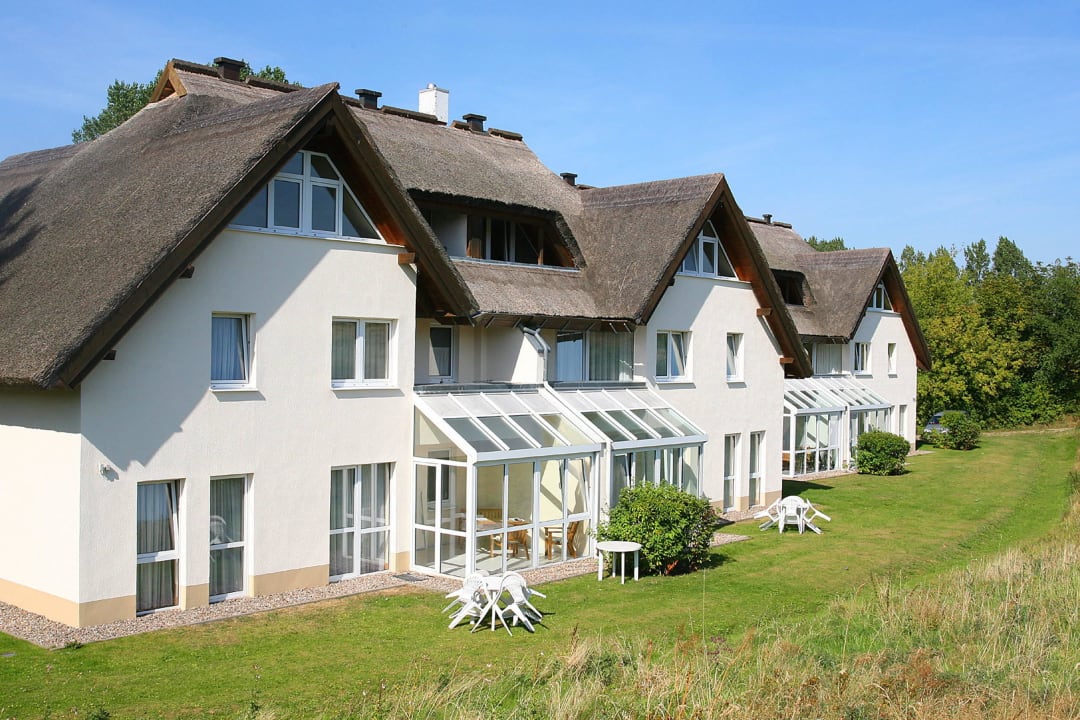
[611, 356]
[757, 445]
[360, 353]
[157, 554]
[827, 358]
[734, 357]
[230, 350]
[440, 361]
[892, 358]
[227, 537]
[359, 524]
[671, 355]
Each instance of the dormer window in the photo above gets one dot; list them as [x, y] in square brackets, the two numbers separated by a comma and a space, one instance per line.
[497, 239]
[791, 286]
[308, 196]
[880, 298]
[707, 257]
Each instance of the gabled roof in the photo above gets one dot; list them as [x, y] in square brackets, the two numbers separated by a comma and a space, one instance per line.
[92, 234]
[841, 283]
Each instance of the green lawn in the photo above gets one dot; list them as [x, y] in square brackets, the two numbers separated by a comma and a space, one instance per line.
[950, 508]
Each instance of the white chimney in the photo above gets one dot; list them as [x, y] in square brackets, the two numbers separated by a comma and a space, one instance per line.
[435, 101]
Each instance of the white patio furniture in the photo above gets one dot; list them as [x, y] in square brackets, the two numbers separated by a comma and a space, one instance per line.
[616, 546]
[473, 597]
[467, 589]
[791, 510]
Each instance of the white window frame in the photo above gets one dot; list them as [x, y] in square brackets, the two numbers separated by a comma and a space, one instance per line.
[892, 358]
[174, 488]
[756, 473]
[860, 358]
[248, 381]
[734, 357]
[731, 469]
[880, 299]
[817, 360]
[359, 348]
[672, 372]
[432, 365]
[510, 251]
[356, 529]
[588, 339]
[308, 179]
[696, 254]
[242, 544]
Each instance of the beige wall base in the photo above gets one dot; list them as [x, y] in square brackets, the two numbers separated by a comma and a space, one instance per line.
[286, 580]
[193, 596]
[66, 611]
[399, 562]
[771, 497]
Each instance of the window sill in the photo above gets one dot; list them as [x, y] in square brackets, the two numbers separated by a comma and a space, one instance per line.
[363, 386]
[735, 381]
[293, 232]
[669, 381]
[705, 276]
[233, 388]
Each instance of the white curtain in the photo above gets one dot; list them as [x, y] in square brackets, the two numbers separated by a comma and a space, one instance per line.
[228, 353]
[155, 581]
[342, 518]
[611, 356]
[343, 350]
[226, 527]
[376, 350]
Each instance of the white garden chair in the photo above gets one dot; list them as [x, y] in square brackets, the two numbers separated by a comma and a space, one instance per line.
[473, 598]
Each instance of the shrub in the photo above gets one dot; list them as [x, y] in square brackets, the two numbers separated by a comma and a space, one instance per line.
[674, 528]
[881, 453]
[960, 432]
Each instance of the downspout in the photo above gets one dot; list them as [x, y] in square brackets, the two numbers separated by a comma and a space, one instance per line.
[540, 345]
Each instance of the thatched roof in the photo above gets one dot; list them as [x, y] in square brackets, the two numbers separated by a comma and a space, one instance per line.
[91, 234]
[841, 284]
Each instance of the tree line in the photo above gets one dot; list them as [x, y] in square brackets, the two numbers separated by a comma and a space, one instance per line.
[1004, 333]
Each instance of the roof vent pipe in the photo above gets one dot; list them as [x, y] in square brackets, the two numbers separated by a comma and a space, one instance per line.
[434, 100]
[767, 218]
[570, 178]
[368, 98]
[474, 121]
[229, 69]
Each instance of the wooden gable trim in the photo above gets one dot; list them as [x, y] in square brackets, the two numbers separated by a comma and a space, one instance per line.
[901, 303]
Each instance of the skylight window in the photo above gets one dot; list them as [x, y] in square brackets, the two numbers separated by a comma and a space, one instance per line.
[308, 196]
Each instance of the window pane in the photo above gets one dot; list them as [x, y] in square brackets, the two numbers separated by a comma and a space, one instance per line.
[226, 571]
[498, 240]
[648, 417]
[342, 496]
[286, 203]
[228, 348]
[678, 354]
[376, 350]
[155, 585]
[343, 351]
[536, 430]
[611, 356]
[708, 257]
[569, 356]
[661, 354]
[441, 348]
[637, 429]
[723, 265]
[341, 553]
[690, 262]
[226, 510]
[321, 167]
[254, 213]
[502, 430]
[323, 208]
[155, 524]
[295, 165]
[472, 434]
[526, 249]
[354, 223]
[606, 426]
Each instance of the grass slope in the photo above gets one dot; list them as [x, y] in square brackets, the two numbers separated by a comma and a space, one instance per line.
[950, 509]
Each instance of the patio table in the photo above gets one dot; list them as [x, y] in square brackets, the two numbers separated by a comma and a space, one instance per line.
[617, 546]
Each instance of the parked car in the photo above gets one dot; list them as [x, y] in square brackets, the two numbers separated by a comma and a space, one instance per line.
[934, 423]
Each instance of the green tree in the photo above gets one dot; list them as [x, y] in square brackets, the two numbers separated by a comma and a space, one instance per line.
[976, 262]
[837, 243]
[125, 99]
[1056, 330]
[1010, 260]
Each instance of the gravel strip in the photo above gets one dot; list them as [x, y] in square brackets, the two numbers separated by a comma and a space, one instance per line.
[50, 634]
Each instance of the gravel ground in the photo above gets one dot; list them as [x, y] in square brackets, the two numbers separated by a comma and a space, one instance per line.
[49, 634]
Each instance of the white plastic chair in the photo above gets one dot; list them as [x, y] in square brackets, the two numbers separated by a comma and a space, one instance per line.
[771, 515]
[473, 599]
[810, 514]
[792, 511]
[526, 595]
[518, 605]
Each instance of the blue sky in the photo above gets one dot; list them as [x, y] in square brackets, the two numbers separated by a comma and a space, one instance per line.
[922, 123]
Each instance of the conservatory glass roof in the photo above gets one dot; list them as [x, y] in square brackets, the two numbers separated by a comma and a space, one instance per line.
[829, 394]
[632, 416]
[521, 422]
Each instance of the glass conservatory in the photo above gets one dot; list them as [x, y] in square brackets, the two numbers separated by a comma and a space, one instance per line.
[814, 413]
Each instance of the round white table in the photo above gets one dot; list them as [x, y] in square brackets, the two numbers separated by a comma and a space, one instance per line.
[616, 546]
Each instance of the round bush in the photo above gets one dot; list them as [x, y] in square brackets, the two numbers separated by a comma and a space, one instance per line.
[674, 528]
[960, 431]
[881, 453]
